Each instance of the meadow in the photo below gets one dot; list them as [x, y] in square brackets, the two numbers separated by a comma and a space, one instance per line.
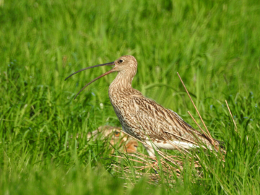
[213, 45]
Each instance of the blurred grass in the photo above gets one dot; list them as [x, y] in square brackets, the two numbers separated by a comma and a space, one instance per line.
[214, 45]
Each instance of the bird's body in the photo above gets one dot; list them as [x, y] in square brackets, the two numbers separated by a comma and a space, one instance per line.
[115, 136]
[146, 120]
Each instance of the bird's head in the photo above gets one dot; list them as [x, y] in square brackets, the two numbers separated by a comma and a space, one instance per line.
[125, 63]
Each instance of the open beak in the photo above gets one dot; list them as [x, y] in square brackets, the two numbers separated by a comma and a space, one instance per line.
[108, 72]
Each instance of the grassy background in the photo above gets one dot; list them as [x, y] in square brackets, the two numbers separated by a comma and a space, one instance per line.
[214, 45]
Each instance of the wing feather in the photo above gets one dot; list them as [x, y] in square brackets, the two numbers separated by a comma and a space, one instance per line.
[148, 118]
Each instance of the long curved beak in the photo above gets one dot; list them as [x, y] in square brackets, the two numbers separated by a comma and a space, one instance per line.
[106, 64]
[108, 72]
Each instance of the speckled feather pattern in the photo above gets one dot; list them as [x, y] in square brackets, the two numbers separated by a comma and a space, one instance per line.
[144, 118]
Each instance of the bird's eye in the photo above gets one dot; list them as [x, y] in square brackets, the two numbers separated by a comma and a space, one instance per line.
[120, 61]
[117, 134]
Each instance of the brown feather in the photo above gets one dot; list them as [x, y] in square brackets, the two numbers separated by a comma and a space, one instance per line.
[144, 118]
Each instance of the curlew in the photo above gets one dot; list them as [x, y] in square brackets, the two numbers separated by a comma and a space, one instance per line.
[115, 136]
[155, 126]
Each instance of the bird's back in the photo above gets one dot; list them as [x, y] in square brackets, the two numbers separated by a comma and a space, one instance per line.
[146, 120]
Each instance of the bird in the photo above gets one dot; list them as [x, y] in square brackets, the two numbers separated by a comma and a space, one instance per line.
[149, 122]
[131, 146]
[116, 137]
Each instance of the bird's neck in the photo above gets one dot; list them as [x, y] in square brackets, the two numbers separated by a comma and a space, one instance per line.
[121, 85]
[122, 81]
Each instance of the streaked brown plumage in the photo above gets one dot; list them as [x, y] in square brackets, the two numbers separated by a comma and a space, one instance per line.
[116, 137]
[143, 118]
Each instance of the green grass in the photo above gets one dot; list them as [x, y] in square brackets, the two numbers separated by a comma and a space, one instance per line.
[214, 45]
